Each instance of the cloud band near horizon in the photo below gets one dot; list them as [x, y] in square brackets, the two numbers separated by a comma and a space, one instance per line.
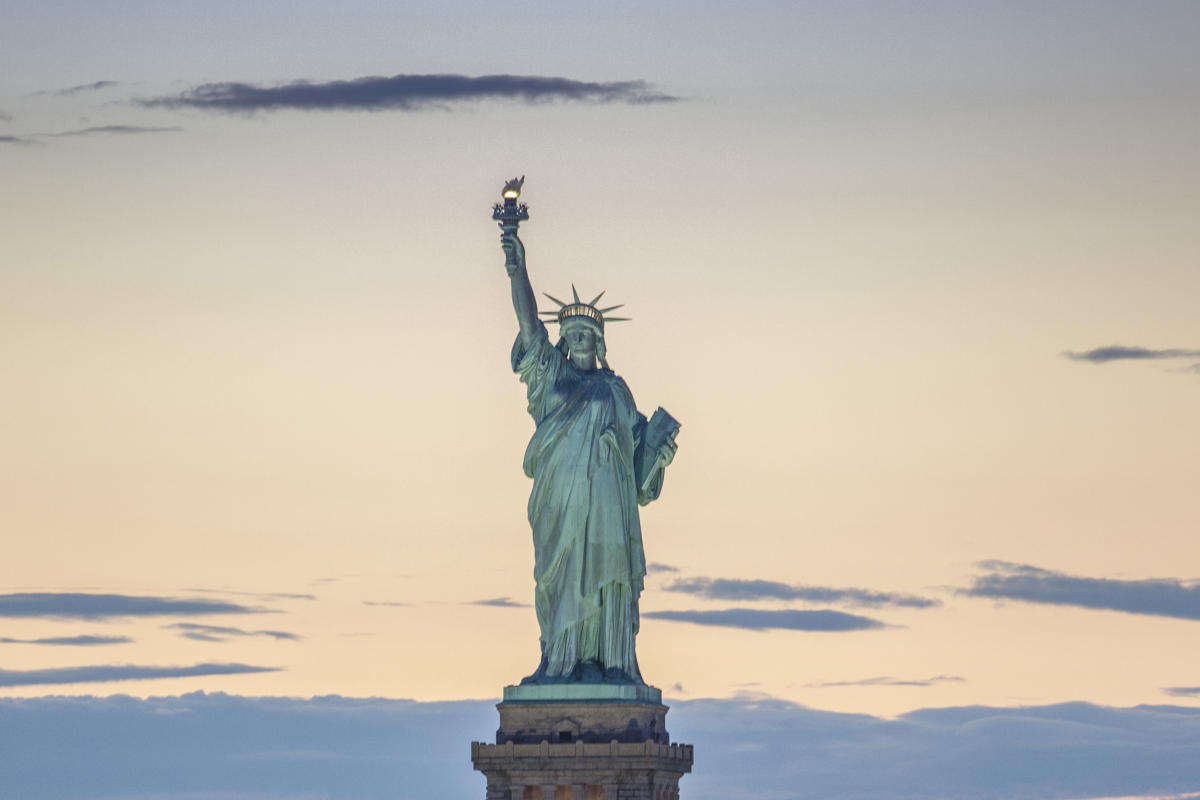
[79, 605]
[740, 589]
[108, 673]
[1161, 597]
[404, 93]
[759, 619]
[1116, 352]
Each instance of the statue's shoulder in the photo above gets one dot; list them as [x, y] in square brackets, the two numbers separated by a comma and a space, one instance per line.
[616, 382]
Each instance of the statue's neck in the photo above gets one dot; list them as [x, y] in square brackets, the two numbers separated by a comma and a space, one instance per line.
[585, 363]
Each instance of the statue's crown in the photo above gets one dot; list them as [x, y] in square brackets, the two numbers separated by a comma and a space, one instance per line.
[581, 310]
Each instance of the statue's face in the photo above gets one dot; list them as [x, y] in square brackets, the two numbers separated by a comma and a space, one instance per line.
[582, 338]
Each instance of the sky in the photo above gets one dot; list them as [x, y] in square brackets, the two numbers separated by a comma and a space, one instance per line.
[918, 279]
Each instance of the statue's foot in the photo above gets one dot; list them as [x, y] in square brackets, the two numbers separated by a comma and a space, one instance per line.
[589, 672]
[538, 676]
[617, 675]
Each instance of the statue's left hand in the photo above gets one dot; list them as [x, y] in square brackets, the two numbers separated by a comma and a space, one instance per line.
[666, 452]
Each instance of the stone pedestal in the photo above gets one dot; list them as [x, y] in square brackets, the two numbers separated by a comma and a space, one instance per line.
[558, 748]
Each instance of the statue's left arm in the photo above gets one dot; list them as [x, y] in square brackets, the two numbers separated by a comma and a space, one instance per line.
[651, 462]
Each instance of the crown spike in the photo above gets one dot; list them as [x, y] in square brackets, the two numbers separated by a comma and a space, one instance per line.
[610, 308]
[596, 299]
[561, 304]
[575, 293]
[618, 319]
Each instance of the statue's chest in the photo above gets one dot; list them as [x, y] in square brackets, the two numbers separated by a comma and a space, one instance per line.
[598, 393]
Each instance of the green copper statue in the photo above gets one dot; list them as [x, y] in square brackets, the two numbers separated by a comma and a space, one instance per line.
[593, 459]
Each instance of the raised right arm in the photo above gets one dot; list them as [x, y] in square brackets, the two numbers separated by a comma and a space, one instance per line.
[524, 303]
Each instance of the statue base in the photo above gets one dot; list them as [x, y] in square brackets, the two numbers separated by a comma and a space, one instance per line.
[588, 692]
[561, 748]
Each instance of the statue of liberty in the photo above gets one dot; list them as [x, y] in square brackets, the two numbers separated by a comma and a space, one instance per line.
[593, 459]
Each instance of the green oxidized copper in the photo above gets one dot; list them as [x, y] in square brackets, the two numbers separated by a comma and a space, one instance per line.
[593, 459]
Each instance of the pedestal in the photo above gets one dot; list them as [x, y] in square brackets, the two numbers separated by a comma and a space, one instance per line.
[562, 748]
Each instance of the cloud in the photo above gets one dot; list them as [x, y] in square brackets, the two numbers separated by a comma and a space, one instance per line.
[4, 117]
[888, 681]
[216, 745]
[73, 605]
[124, 130]
[118, 672]
[757, 619]
[1116, 352]
[392, 603]
[18, 140]
[404, 93]
[658, 566]
[71, 641]
[1161, 597]
[259, 595]
[734, 589]
[1183, 691]
[85, 87]
[500, 602]
[221, 633]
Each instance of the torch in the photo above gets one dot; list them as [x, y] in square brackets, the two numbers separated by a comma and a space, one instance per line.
[510, 214]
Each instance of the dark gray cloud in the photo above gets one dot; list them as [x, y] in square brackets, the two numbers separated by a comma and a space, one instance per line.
[758, 619]
[208, 745]
[1161, 597]
[118, 672]
[71, 641]
[1116, 352]
[77, 605]
[404, 93]
[888, 681]
[499, 602]
[736, 589]
[120, 130]
[1183, 691]
[658, 566]
[222, 633]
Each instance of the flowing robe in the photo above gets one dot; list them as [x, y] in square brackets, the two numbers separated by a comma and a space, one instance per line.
[588, 558]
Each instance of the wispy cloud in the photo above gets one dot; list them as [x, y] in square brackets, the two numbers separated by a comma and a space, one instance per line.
[18, 140]
[658, 566]
[499, 602]
[757, 619]
[118, 130]
[75, 605]
[1162, 597]
[736, 589]
[405, 93]
[1183, 691]
[888, 681]
[119, 672]
[5, 117]
[95, 86]
[259, 595]
[222, 633]
[1116, 352]
[391, 603]
[71, 641]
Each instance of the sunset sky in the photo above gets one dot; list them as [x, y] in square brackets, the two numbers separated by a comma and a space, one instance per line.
[920, 280]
